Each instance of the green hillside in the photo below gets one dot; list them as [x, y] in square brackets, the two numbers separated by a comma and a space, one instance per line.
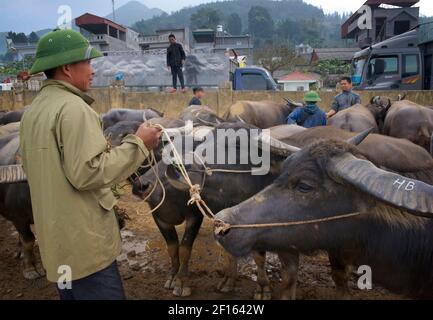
[293, 20]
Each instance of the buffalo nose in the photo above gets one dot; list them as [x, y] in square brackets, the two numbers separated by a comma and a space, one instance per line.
[221, 228]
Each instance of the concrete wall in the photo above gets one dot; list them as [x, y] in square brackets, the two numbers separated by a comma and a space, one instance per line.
[173, 104]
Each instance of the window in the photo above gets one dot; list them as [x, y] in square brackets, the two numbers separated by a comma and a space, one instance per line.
[383, 65]
[252, 81]
[380, 28]
[410, 65]
[401, 27]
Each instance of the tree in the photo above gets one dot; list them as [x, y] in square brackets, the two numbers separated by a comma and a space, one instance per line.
[206, 18]
[260, 23]
[33, 37]
[17, 37]
[234, 24]
[143, 27]
[275, 58]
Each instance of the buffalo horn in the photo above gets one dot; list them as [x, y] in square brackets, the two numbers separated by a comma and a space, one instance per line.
[401, 192]
[277, 146]
[359, 138]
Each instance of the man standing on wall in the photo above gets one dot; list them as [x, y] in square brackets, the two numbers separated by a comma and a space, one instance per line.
[175, 60]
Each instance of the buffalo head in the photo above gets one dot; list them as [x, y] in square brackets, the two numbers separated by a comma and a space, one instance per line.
[326, 179]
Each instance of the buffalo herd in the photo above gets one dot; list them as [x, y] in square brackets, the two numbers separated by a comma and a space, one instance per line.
[360, 189]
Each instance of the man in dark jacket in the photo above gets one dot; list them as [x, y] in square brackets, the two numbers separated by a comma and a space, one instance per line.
[175, 60]
[310, 115]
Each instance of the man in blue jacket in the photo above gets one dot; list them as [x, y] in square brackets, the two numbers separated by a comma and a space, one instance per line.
[310, 115]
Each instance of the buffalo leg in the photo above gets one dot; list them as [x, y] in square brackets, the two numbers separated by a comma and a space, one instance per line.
[289, 272]
[230, 271]
[31, 271]
[263, 291]
[340, 275]
[170, 235]
[193, 224]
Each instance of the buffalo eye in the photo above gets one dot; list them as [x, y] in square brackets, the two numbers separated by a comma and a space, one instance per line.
[304, 188]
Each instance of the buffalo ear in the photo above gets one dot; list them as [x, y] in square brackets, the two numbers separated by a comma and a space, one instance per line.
[359, 138]
[396, 190]
[175, 179]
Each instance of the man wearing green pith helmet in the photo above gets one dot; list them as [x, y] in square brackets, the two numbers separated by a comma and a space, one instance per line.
[310, 115]
[70, 170]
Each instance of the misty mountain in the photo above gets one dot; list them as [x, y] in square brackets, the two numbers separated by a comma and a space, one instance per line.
[134, 11]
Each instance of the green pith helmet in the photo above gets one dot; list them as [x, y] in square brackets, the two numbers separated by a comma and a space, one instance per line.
[312, 96]
[62, 47]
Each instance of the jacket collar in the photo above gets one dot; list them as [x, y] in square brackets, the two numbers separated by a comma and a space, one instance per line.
[68, 87]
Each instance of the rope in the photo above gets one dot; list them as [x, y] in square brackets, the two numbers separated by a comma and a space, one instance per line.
[194, 189]
[222, 227]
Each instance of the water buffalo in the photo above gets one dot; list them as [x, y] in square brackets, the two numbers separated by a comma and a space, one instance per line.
[174, 211]
[13, 116]
[359, 118]
[201, 116]
[220, 191]
[393, 153]
[15, 206]
[286, 130]
[387, 229]
[411, 121]
[120, 130]
[9, 128]
[262, 114]
[116, 115]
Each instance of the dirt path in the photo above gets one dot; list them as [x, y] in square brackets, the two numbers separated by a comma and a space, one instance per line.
[144, 266]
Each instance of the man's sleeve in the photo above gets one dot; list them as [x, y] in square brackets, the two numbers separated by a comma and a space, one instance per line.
[182, 52]
[357, 99]
[293, 117]
[335, 105]
[324, 119]
[168, 56]
[87, 161]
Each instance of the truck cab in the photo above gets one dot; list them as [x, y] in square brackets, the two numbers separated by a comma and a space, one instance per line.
[394, 64]
[250, 78]
[253, 78]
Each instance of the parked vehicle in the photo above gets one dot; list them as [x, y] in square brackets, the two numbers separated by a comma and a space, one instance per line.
[403, 62]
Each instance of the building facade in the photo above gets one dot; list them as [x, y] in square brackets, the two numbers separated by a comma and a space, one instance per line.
[159, 41]
[388, 19]
[299, 81]
[219, 41]
[106, 35]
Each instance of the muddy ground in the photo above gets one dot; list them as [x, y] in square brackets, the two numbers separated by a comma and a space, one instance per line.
[144, 266]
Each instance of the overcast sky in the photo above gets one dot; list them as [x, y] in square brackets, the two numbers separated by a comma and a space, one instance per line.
[26, 16]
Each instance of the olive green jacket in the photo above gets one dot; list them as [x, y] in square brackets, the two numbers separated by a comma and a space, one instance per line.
[70, 171]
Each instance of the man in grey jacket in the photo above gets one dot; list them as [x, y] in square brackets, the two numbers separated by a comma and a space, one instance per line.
[344, 100]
